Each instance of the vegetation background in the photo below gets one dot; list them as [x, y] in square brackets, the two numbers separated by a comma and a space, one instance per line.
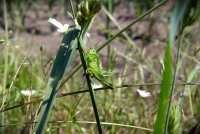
[28, 46]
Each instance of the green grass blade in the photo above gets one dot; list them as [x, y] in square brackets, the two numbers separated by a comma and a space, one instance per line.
[63, 59]
[165, 92]
[174, 126]
[168, 78]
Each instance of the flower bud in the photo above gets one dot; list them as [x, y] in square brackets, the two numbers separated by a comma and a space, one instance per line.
[87, 10]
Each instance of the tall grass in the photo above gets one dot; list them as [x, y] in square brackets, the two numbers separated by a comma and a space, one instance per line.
[5, 74]
[177, 25]
[127, 113]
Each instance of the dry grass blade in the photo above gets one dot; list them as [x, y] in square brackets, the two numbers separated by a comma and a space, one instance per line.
[97, 89]
[84, 122]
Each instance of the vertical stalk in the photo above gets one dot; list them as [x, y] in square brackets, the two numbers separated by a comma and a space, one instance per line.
[173, 82]
[5, 74]
[81, 52]
[72, 9]
[109, 6]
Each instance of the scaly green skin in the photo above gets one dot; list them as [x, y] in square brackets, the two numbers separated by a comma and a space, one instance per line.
[95, 69]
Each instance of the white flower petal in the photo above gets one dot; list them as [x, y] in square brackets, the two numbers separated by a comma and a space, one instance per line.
[60, 30]
[56, 23]
[65, 27]
[143, 93]
[28, 92]
[95, 85]
[88, 35]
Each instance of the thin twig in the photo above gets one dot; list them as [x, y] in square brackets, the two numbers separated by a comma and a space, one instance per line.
[96, 89]
[16, 74]
[72, 9]
[129, 40]
[84, 122]
[6, 64]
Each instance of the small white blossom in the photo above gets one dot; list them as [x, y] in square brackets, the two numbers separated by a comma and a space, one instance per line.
[61, 28]
[143, 93]
[96, 85]
[28, 92]
[88, 35]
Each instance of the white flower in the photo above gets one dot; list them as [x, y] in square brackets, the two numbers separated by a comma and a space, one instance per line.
[143, 93]
[28, 92]
[96, 85]
[61, 28]
[88, 34]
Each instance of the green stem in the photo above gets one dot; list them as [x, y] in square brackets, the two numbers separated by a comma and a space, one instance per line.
[109, 49]
[96, 89]
[173, 85]
[110, 9]
[72, 9]
[81, 52]
[5, 75]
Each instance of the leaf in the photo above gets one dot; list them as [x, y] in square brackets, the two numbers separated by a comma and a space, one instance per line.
[65, 56]
[167, 84]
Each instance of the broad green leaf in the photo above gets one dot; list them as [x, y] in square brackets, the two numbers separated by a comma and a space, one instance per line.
[167, 85]
[62, 61]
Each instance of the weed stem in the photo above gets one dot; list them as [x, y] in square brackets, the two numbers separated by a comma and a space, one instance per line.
[81, 52]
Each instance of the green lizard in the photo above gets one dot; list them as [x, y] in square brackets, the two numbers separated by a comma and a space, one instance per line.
[95, 69]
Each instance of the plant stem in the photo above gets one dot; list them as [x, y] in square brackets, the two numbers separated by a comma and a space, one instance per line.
[81, 52]
[5, 74]
[84, 122]
[109, 50]
[96, 89]
[173, 84]
[72, 8]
